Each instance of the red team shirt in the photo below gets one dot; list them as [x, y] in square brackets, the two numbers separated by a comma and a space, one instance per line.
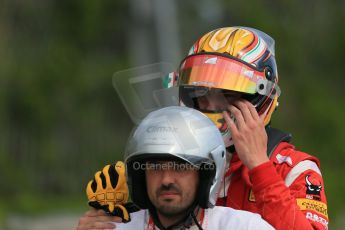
[288, 191]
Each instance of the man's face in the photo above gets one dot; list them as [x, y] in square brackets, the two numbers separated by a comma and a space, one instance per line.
[171, 186]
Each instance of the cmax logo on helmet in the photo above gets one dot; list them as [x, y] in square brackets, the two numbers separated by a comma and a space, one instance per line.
[161, 129]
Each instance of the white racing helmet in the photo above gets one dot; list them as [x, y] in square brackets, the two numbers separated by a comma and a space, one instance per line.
[177, 133]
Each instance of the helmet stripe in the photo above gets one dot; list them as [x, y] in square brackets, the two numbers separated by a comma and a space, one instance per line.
[256, 52]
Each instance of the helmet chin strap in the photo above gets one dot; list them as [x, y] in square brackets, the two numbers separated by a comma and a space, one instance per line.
[184, 223]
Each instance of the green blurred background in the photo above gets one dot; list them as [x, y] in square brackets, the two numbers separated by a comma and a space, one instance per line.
[61, 119]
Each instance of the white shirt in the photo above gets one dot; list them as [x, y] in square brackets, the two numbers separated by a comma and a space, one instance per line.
[215, 218]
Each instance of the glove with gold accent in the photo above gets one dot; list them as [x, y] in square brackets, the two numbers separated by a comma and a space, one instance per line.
[109, 191]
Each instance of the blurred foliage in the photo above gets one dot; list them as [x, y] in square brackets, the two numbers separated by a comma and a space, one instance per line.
[60, 117]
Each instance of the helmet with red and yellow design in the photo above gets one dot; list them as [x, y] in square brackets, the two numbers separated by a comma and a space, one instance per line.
[228, 61]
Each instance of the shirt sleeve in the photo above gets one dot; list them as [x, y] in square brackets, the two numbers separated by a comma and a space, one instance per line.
[290, 207]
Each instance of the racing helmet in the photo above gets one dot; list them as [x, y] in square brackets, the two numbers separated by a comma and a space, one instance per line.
[230, 60]
[179, 134]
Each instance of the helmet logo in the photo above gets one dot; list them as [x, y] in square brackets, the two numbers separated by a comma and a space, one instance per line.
[209, 84]
[248, 73]
[212, 61]
[313, 190]
[161, 129]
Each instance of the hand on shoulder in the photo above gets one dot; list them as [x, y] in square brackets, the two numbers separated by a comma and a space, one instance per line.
[97, 219]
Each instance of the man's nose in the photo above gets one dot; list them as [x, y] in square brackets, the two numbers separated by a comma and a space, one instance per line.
[167, 177]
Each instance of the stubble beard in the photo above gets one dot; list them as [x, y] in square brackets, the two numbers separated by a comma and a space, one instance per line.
[172, 210]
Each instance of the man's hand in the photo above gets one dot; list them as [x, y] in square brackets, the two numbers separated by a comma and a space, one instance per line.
[97, 219]
[109, 191]
[248, 133]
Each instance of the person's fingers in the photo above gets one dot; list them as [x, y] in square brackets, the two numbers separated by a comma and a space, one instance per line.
[252, 110]
[96, 212]
[263, 116]
[231, 124]
[88, 223]
[99, 222]
[243, 107]
[104, 225]
[236, 112]
[108, 219]
[101, 215]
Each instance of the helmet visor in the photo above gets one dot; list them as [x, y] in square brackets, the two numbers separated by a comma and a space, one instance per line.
[215, 71]
[207, 99]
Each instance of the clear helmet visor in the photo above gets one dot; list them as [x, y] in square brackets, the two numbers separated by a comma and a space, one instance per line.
[145, 89]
